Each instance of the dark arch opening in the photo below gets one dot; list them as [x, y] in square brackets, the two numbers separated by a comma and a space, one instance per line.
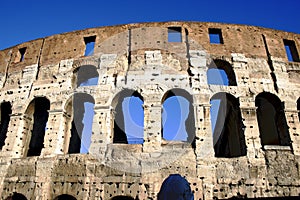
[220, 72]
[81, 108]
[5, 118]
[129, 117]
[65, 197]
[175, 187]
[271, 120]
[178, 121]
[40, 106]
[86, 75]
[227, 126]
[16, 196]
[123, 198]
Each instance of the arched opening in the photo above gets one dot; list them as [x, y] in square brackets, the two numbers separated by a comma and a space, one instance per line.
[5, 118]
[37, 114]
[65, 197]
[227, 126]
[271, 120]
[86, 75]
[80, 110]
[175, 187]
[128, 117]
[298, 108]
[122, 198]
[221, 72]
[178, 121]
[16, 196]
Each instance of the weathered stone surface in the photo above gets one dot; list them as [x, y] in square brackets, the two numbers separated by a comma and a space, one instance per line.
[138, 58]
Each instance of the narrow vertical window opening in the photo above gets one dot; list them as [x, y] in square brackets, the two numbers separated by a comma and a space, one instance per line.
[89, 45]
[40, 118]
[22, 52]
[174, 34]
[291, 51]
[215, 36]
[5, 118]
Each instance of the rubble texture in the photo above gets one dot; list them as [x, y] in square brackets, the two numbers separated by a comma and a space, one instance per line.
[138, 60]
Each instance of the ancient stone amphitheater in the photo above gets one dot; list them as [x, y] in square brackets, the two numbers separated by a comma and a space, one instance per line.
[64, 132]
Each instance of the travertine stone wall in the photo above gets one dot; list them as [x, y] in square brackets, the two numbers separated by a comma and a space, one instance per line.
[140, 58]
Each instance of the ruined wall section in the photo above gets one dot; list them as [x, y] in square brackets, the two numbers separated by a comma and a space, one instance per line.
[139, 57]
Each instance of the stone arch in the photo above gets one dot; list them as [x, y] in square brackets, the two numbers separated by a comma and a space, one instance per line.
[78, 120]
[65, 197]
[220, 72]
[36, 118]
[178, 101]
[227, 126]
[16, 196]
[122, 120]
[85, 75]
[4, 121]
[175, 187]
[271, 119]
[123, 198]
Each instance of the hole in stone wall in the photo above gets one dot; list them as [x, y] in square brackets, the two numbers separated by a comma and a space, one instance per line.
[291, 50]
[40, 115]
[5, 118]
[227, 126]
[86, 75]
[174, 34]
[178, 121]
[215, 36]
[129, 118]
[65, 197]
[89, 45]
[16, 196]
[21, 54]
[220, 73]
[271, 120]
[175, 187]
[217, 77]
[81, 110]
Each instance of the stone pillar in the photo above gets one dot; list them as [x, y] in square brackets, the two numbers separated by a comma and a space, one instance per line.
[17, 135]
[102, 134]
[43, 179]
[252, 134]
[255, 154]
[152, 126]
[204, 147]
[54, 139]
[294, 129]
[204, 136]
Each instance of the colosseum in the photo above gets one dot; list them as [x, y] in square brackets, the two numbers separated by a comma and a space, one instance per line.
[84, 114]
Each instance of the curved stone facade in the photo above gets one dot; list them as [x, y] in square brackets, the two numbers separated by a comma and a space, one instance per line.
[252, 152]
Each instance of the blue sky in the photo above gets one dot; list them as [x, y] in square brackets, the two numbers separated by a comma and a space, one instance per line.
[22, 21]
